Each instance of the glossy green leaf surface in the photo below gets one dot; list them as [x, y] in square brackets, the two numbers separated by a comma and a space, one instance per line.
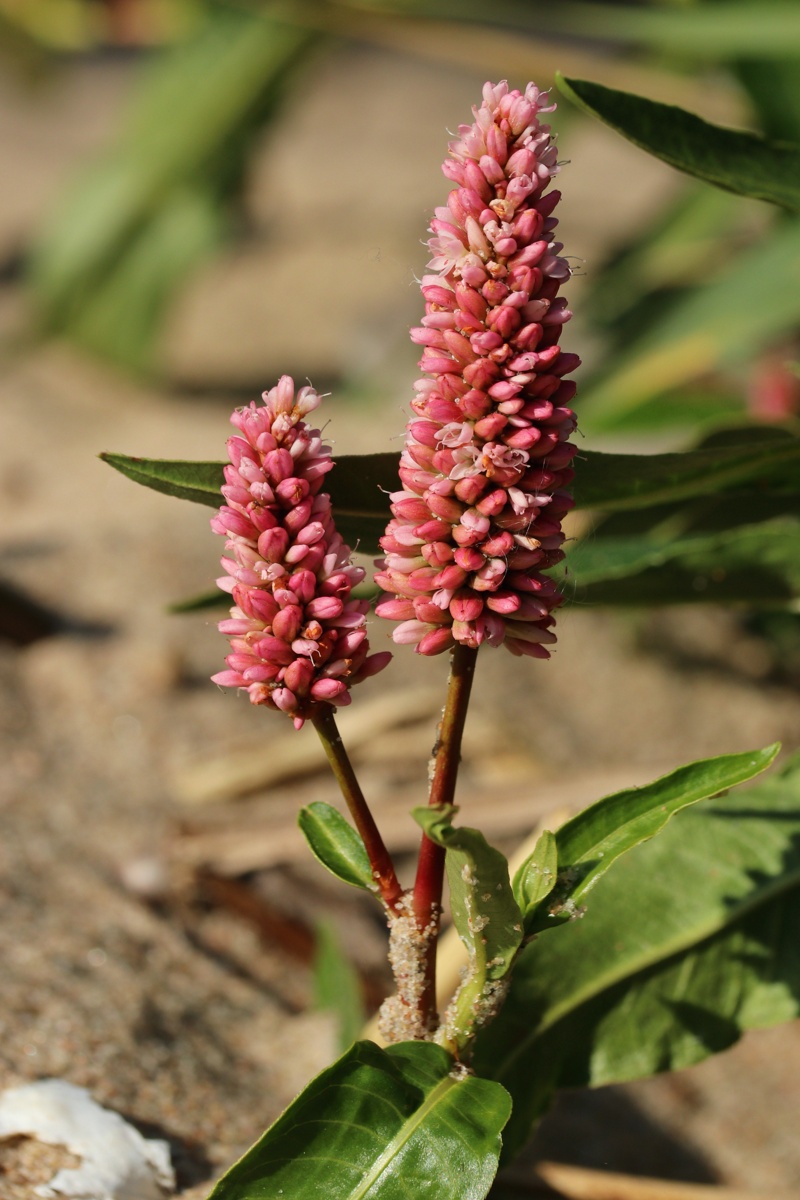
[729, 158]
[335, 843]
[359, 488]
[593, 840]
[774, 90]
[692, 939]
[536, 878]
[379, 1125]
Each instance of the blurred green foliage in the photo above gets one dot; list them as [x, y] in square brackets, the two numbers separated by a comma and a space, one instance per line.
[696, 314]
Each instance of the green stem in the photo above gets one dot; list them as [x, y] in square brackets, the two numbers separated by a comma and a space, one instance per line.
[383, 871]
[429, 883]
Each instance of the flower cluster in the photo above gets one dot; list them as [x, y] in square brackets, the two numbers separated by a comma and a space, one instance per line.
[487, 454]
[297, 638]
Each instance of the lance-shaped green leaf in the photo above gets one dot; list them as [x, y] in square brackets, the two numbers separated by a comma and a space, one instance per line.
[198, 481]
[379, 1125]
[335, 843]
[486, 915]
[729, 158]
[360, 483]
[536, 878]
[753, 546]
[358, 488]
[693, 938]
[616, 482]
[592, 841]
[755, 563]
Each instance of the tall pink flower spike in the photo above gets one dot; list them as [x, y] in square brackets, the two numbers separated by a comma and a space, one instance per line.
[298, 640]
[487, 455]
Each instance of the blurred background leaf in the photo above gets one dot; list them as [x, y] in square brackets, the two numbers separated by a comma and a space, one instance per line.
[337, 988]
[163, 197]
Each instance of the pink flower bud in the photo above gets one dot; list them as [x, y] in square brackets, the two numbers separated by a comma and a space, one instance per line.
[435, 641]
[329, 690]
[272, 544]
[466, 606]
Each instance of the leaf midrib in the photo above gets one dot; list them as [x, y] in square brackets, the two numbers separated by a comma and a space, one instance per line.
[403, 1136]
[664, 951]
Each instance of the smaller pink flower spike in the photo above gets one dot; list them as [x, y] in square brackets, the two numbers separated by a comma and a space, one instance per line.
[487, 456]
[298, 641]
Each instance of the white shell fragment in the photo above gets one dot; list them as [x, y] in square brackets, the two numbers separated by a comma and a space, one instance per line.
[118, 1163]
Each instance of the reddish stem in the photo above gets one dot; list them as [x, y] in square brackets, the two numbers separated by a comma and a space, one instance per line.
[429, 882]
[383, 871]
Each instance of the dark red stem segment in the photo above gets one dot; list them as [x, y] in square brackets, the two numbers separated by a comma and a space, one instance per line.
[446, 758]
[383, 871]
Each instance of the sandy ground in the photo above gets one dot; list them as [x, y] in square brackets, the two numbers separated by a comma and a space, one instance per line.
[173, 986]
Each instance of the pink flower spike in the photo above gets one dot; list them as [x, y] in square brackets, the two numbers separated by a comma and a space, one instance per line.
[289, 570]
[487, 453]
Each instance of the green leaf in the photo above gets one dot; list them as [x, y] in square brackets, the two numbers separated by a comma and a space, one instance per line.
[536, 878]
[592, 841]
[681, 245]
[774, 89]
[751, 564]
[359, 488]
[122, 315]
[725, 29]
[620, 481]
[750, 304]
[383, 1125]
[335, 843]
[486, 915]
[157, 203]
[337, 987]
[693, 938]
[729, 158]
[198, 481]
[359, 483]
